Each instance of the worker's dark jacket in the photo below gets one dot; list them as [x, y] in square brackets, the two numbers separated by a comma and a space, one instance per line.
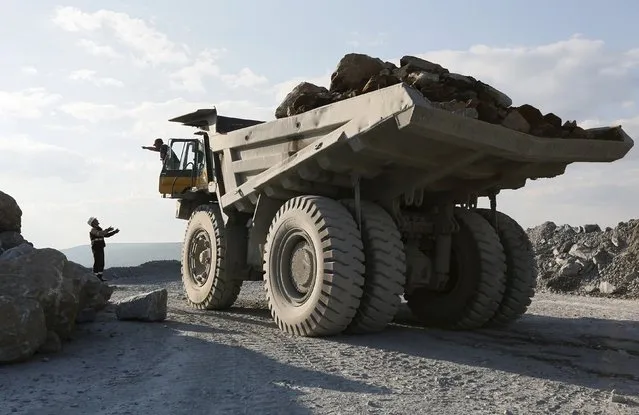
[97, 236]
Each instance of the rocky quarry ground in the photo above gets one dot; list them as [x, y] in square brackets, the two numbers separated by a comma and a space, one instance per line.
[72, 344]
[358, 74]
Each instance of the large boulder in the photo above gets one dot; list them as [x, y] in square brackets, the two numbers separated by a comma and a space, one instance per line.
[23, 328]
[353, 72]
[61, 289]
[304, 97]
[16, 251]
[10, 214]
[11, 239]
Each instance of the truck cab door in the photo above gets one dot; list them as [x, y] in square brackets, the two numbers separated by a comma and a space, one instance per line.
[184, 168]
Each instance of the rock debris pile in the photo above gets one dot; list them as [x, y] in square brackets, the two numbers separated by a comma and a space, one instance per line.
[587, 259]
[358, 74]
[42, 294]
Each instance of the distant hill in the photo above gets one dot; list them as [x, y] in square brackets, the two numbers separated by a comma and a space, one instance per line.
[127, 254]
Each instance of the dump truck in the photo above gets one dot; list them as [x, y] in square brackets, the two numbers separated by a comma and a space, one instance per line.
[347, 210]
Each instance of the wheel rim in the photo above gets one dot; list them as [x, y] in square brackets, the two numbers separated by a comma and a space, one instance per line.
[200, 257]
[296, 267]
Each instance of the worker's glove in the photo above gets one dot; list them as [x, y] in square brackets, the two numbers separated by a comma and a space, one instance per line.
[116, 231]
[109, 229]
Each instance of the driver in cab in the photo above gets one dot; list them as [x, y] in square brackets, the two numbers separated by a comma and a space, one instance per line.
[167, 156]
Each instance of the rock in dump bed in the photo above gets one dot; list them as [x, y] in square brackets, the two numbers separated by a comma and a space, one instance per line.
[358, 74]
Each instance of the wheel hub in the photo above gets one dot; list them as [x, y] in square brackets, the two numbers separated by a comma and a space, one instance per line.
[302, 267]
[200, 255]
[205, 256]
[296, 267]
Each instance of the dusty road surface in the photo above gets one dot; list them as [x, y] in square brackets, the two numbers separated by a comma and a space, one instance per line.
[566, 357]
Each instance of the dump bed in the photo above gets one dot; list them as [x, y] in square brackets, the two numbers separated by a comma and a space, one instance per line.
[396, 144]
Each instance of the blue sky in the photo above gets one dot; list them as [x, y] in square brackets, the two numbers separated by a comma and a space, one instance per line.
[84, 84]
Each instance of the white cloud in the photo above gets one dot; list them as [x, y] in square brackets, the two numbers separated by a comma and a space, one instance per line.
[29, 70]
[90, 76]
[244, 78]
[96, 49]
[190, 78]
[23, 157]
[75, 20]
[67, 128]
[27, 103]
[92, 112]
[149, 45]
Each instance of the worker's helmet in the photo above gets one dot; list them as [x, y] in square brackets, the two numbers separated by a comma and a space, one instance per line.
[91, 220]
[158, 142]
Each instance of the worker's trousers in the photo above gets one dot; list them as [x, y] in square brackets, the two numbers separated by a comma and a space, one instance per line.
[98, 260]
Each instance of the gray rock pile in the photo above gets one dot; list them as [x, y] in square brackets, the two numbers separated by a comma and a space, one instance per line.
[588, 260]
[42, 294]
[358, 74]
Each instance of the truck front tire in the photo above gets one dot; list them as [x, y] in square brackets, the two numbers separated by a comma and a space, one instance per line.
[313, 267]
[209, 269]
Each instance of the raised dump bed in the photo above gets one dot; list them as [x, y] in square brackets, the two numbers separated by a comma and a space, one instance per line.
[355, 203]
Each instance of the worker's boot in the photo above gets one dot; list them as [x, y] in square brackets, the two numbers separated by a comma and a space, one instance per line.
[99, 275]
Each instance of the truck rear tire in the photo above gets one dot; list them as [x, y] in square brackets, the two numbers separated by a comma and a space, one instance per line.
[521, 269]
[314, 266]
[476, 283]
[209, 277]
[385, 274]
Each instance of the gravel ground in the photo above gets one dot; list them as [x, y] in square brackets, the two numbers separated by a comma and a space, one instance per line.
[566, 356]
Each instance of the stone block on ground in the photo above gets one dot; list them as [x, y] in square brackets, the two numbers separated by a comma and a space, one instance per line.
[150, 306]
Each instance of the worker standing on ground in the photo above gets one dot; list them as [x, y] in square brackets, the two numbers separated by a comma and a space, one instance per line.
[167, 156]
[97, 235]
